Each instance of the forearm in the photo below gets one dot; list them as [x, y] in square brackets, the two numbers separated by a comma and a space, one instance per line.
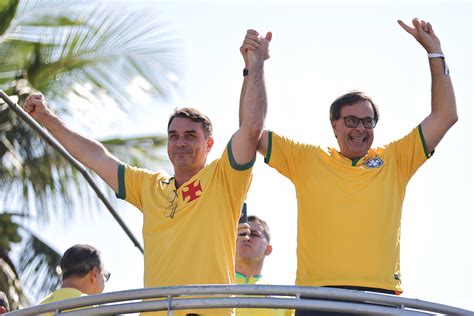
[254, 104]
[87, 151]
[443, 101]
[443, 105]
[242, 97]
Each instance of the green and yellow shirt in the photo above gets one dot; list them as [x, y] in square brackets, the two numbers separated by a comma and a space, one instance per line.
[349, 211]
[189, 232]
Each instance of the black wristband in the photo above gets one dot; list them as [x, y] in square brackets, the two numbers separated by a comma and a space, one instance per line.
[246, 72]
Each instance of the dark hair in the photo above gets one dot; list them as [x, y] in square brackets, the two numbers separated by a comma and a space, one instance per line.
[266, 229]
[350, 98]
[4, 301]
[195, 116]
[79, 260]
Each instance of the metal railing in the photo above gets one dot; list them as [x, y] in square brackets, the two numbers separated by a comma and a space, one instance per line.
[230, 296]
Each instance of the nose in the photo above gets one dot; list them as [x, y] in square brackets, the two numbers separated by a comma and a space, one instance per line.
[360, 126]
[181, 142]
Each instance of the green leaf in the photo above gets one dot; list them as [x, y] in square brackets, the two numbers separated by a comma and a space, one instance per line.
[7, 14]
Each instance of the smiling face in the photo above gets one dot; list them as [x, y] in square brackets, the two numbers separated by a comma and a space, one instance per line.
[354, 142]
[187, 145]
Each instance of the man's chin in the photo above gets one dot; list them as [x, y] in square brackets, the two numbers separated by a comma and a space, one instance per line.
[359, 152]
[180, 163]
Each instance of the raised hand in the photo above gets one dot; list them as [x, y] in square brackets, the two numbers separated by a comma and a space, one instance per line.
[36, 106]
[424, 34]
[252, 43]
[243, 232]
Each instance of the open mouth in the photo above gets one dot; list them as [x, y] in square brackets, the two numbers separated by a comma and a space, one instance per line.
[358, 138]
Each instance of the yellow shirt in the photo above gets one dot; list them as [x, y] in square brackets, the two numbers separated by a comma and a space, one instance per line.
[349, 212]
[257, 279]
[59, 295]
[189, 233]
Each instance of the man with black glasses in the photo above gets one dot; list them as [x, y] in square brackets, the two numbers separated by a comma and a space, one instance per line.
[350, 200]
[82, 272]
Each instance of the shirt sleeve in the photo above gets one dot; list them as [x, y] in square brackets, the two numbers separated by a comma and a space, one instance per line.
[236, 178]
[288, 156]
[131, 181]
[410, 152]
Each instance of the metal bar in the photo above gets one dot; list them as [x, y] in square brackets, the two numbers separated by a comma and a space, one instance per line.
[250, 302]
[288, 300]
[76, 164]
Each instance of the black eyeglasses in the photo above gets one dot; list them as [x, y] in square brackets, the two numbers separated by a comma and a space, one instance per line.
[107, 275]
[353, 121]
[173, 200]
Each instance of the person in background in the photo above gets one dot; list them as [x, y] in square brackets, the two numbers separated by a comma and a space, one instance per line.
[250, 256]
[83, 273]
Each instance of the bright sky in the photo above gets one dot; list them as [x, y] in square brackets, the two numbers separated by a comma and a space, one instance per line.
[319, 51]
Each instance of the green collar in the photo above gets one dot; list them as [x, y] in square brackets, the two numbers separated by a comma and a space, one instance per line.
[243, 279]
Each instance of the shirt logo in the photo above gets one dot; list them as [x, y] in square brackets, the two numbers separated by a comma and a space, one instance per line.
[192, 191]
[374, 163]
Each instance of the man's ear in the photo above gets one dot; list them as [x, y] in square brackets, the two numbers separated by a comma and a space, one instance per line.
[333, 124]
[210, 142]
[93, 274]
[268, 250]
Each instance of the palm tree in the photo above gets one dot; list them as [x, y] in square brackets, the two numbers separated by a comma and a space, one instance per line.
[67, 50]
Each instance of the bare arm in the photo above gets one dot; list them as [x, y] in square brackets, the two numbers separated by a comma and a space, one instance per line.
[89, 152]
[242, 97]
[443, 103]
[253, 97]
[263, 143]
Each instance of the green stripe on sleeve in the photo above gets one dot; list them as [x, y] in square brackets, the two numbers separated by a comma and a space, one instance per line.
[232, 161]
[269, 148]
[121, 181]
[427, 154]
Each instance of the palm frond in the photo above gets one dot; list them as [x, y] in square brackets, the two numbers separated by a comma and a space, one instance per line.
[10, 284]
[7, 13]
[38, 266]
[9, 277]
[109, 51]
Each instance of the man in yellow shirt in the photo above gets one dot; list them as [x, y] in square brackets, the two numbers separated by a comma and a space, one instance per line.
[251, 254]
[189, 218]
[82, 272]
[350, 200]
